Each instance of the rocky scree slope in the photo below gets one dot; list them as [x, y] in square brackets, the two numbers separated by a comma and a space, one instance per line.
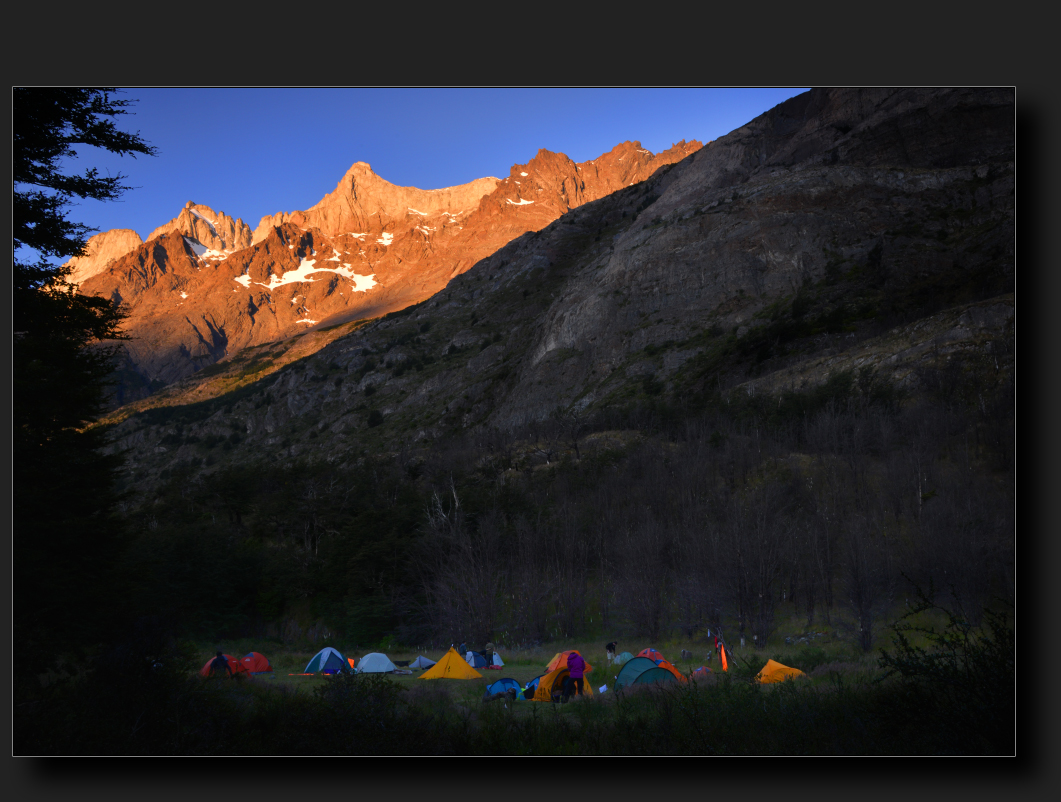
[203, 287]
[843, 229]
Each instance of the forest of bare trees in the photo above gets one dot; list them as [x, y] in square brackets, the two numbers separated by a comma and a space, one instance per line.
[646, 522]
[729, 522]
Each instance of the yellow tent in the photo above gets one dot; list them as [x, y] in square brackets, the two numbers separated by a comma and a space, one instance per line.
[552, 681]
[775, 672]
[451, 666]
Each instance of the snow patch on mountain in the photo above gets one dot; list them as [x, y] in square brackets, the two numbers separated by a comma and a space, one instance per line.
[303, 272]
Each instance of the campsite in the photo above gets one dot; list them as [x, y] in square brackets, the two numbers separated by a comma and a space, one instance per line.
[835, 707]
[699, 450]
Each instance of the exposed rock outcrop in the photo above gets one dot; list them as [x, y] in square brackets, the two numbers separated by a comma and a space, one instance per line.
[100, 251]
[216, 230]
[842, 230]
[366, 249]
[365, 203]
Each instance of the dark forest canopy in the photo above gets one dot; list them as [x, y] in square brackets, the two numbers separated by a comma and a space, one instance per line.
[67, 537]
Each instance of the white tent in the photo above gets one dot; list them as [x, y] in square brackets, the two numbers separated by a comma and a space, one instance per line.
[497, 660]
[375, 663]
[421, 662]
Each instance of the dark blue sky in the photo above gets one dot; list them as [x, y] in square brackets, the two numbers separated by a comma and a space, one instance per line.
[253, 152]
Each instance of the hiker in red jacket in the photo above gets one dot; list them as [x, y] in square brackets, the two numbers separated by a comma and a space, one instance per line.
[577, 666]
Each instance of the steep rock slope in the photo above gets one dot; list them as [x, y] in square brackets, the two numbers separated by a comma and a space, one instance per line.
[100, 251]
[203, 287]
[843, 229]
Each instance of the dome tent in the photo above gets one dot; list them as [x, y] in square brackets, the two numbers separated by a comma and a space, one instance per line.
[475, 660]
[668, 666]
[375, 663]
[327, 661]
[257, 663]
[632, 670]
[422, 662]
[506, 687]
[657, 674]
[550, 684]
[622, 659]
[235, 667]
[503, 685]
[560, 660]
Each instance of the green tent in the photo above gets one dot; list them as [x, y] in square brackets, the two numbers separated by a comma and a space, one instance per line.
[633, 669]
[656, 674]
[328, 661]
[622, 659]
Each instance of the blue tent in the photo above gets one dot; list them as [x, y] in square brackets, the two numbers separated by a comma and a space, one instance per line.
[475, 660]
[327, 661]
[530, 688]
[503, 685]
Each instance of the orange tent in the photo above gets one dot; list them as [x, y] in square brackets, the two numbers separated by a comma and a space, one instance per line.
[775, 672]
[672, 669]
[651, 654]
[553, 681]
[257, 663]
[560, 660]
[235, 666]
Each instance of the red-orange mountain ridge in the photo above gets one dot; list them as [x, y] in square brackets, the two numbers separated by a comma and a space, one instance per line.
[204, 286]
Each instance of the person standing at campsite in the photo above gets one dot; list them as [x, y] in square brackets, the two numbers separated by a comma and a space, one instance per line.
[577, 666]
[219, 666]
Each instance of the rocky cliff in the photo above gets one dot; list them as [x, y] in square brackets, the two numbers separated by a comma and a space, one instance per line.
[203, 287]
[844, 230]
[215, 231]
[100, 251]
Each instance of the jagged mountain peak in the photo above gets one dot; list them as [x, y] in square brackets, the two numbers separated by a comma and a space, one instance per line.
[367, 248]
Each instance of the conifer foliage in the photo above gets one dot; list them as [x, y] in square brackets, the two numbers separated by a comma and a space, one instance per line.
[66, 536]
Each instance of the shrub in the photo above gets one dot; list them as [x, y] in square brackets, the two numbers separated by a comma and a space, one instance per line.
[959, 693]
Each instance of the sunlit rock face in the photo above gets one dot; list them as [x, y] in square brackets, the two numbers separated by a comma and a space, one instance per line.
[844, 230]
[100, 251]
[203, 286]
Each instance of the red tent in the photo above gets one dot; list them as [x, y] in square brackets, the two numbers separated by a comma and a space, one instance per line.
[234, 665]
[256, 663]
[652, 655]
